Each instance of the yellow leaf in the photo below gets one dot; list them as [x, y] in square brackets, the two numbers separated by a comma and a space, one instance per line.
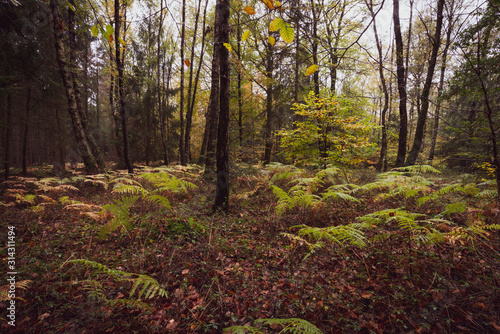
[269, 4]
[287, 33]
[311, 69]
[249, 10]
[278, 4]
[276, 24]
[122, 41]
[187, 62]
[245, 36]
[228, 46]
[271, 40]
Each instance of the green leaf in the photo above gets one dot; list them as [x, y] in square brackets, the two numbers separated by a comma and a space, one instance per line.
[95, 31]
[271, 40]
[287, 33]
[245, 36]
[276, 24]
[109, 29]
[311, 69]
[72, 7]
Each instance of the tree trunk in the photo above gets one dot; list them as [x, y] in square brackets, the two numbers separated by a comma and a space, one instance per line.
[26, 132]
[315, 42]
[403, 117]
[269, 105]
[190, 107]
[441, 83]
[182, 152]
[80, 128]
[240, 100]
[422, 115]
[383, 144]
[213, 107]
[8, 133]
[222, 191]
[121, 92]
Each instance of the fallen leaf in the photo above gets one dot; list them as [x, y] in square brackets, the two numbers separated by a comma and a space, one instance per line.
[44, 316]
[366, 295]
[185, 271]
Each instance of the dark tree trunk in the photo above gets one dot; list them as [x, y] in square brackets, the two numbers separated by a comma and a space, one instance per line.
[403, 117]
[212, 114]
[8, 132]
[269, 105]
[315, 43]
[26, 132]
[190, 101]
[121, 92]
[240, 100]
[182, 152]
[422, 115]
[441, 83]
[222, 191]
[80, 127]
[383, 144]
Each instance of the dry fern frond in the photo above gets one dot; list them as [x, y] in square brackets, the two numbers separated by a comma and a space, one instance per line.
[4, 289]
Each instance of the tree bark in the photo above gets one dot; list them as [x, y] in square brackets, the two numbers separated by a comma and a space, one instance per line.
[26, 132]
[422, 115]
[403, 117]
[190, 107]
[8, 133]
[269, 105]
[441, 82]
[80, 127]
[182, 153]
[383, 145]
[213, 107]
[121, 92]
[222, 190]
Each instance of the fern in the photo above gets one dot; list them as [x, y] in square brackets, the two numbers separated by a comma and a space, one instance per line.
[342, 234]
[290, 325]
[341, 191]
[4, 289]
[417, 169]
[477, 230]
[143, 286]
[164, 182]
[121, 215]
[467, 189]
[421, 231]
[296, 197]
[398, 184]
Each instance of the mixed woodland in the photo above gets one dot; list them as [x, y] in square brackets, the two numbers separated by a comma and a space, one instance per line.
[304, 166]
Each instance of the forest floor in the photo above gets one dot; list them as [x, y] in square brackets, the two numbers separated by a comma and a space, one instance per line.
[222, 270]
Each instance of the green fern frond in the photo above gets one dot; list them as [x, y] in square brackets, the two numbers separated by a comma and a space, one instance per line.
[158, 199]
[457, 207]
[130, 189]
[342, 234]
[149, 287]
[292, 325]
[488, 193]
[121, 215]
[418, 169]
[333, 193]
[247, 329]
[330, 173]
